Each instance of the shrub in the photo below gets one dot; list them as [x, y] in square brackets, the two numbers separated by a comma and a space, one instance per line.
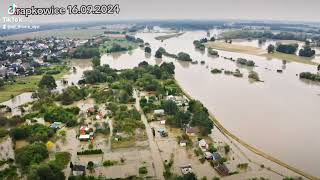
[216, 71]
[31, 154]
[89, 152]
[143, 170]
[108, 163]
[254, 75]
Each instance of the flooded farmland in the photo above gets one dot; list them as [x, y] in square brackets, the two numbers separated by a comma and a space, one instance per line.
[277, 115]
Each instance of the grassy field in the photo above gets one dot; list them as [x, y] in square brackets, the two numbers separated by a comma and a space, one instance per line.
[164, 37]
[235, 48]
[290, 57]
[259, 52]
[121, 41]
[24, 84]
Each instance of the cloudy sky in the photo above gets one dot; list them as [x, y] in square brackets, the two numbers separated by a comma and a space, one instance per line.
[288, 10]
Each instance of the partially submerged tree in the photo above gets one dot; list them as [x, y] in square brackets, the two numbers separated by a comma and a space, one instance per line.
[271, 48]
[48, 82]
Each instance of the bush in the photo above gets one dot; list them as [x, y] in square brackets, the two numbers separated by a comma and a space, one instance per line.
[287, 48]
[184, 56]
[31, 154]
[245, 62]
[216, 71]
[89, 152]
[143, 170]
[254, 75]
[59, 114]
[309, 76]
[108, 163]
[36, 132]
[62, 159]
[212, 52]
[147, 49]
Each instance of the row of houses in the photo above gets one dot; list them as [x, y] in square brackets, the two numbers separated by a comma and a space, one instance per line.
[21, 57]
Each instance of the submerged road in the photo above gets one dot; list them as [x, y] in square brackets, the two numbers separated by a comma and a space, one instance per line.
[155, 152]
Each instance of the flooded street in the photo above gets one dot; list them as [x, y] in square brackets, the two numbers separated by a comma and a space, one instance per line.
[276, 116]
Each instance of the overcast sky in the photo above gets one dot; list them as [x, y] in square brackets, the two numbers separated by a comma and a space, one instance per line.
[288, 10]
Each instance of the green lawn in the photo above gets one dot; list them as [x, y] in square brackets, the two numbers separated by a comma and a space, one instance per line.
[121, 41]
[24, 84]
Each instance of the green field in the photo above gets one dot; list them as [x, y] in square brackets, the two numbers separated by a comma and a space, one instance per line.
[24, 84]
[120, 41]
[259, 52]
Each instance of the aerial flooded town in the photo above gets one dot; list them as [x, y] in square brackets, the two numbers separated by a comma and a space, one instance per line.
[148, 92]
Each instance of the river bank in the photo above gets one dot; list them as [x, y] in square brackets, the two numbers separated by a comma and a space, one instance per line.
[259, 52]
[231, 136]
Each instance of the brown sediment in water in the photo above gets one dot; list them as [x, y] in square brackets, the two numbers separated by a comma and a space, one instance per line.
[228, 134]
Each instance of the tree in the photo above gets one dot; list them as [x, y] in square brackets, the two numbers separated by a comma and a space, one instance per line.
[48, 82]
[1, 83]
[188, 176]
[31, 154]
[184, 56]
[212, 38]
[94, 76]
[167, 67]
[147, 49]
[158, 54]
[46, 172]
[95, 61]
[254, 75]
[271, 48]
[287, 48]
[170, 107]
[90, 166]
[306, 51]
[317, 69]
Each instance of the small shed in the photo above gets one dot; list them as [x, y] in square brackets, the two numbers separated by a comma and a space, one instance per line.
[158, 112]
[84, 137]
[183, 143]
[78, 170]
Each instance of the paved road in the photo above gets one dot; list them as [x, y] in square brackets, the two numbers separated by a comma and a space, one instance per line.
[157, 161]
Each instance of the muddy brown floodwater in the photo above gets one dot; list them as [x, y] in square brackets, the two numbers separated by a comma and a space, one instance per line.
[277, 116]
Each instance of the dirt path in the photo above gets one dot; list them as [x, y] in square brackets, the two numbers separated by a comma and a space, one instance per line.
[155, 152]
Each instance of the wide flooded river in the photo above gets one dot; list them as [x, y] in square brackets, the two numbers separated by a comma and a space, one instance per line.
[278, 116]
